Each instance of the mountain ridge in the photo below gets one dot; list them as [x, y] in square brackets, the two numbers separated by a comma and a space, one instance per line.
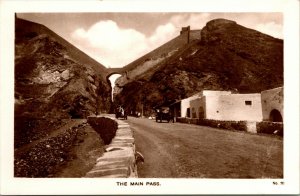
[33, 28]
[227, 57]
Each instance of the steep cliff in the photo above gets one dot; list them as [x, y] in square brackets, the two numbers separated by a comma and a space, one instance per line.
[53, 80]
[227, 56]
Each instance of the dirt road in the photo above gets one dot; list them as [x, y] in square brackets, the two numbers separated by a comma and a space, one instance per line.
[176, 150]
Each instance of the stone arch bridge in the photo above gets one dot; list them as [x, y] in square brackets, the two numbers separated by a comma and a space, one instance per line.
[122, 71]
[111, 71]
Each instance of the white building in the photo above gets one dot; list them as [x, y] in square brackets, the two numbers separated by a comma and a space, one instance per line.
[185, 105]
[222, 105]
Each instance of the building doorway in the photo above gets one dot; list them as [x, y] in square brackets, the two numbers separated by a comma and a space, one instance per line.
[275, 116]
[188, 112]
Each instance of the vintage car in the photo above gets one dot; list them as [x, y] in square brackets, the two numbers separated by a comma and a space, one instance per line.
[163, 113]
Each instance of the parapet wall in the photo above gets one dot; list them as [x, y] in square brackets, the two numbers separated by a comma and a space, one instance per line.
[119, 159]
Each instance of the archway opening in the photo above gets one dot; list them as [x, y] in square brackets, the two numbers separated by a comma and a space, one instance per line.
[275, 116]
[112, 78]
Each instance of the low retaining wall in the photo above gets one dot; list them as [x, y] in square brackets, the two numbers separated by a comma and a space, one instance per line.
[252, 127]
[270, 127]
[230, 125]
[119, 159]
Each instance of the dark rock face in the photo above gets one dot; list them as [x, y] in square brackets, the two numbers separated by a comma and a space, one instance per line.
[228, 57]
[252, 60]
[53, 78]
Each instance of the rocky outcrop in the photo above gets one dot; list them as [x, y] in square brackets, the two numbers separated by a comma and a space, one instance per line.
[54, 80]
[227, 57]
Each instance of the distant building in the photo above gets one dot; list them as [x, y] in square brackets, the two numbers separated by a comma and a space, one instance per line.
[183, 108]
[185, 105]
[220, 105]
[198, 105]
[272, 104]
[227, 106]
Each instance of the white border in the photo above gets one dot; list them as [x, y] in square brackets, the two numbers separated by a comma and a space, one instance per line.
[10, 185]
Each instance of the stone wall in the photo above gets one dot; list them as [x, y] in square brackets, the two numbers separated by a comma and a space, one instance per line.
[195, 35]
[270, 128]
[119, 159]
[264, 127]
[229, 125]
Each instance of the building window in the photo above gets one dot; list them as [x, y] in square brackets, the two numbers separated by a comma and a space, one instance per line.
[248, 102]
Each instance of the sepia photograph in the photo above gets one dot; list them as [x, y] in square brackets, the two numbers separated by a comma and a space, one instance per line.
[137, 100]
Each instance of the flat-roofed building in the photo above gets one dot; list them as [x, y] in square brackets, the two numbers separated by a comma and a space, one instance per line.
[223, 105]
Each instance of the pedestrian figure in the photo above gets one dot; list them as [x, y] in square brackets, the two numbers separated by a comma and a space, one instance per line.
[122, 111]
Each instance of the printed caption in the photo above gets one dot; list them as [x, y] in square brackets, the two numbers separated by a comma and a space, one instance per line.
[138, 184]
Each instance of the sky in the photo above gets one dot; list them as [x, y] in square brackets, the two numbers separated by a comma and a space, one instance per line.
[117, 39]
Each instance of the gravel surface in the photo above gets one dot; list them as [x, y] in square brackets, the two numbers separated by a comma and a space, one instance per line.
[177, 150]
[70, 151]
[28, 130]
[42, 159]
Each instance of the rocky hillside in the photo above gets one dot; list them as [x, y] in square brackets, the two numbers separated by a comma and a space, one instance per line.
[152, 61]
[53, 80]
[227, 56]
